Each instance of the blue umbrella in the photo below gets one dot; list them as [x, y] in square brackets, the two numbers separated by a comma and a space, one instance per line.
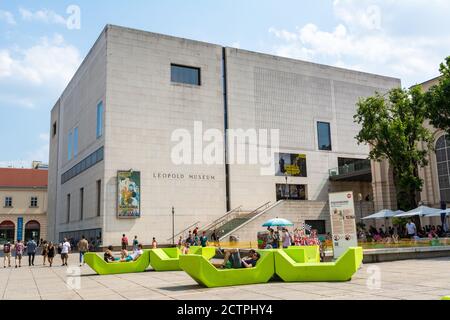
[277, 222]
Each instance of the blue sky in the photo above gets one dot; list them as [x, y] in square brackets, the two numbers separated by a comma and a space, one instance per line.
[39, 52]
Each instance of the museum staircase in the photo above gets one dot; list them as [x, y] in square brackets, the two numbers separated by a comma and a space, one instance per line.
[232, 220]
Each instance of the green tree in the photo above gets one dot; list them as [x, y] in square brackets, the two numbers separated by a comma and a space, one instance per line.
[438, 99]
[392, 125]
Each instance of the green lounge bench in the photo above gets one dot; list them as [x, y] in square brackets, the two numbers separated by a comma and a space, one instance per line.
[102, 267]
[291, 270]
[304, 254]
[167, 259]
[206, 274]
[446, 298]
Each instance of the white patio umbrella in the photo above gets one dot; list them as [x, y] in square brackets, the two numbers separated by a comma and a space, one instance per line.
[383, 214]
[438, 213]
[421, 211]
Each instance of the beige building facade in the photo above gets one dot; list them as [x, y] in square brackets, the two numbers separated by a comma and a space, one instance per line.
[23, 208]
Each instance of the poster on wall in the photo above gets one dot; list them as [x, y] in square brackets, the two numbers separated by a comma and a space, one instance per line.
[129, 194]
[343, 224]
[293, 165]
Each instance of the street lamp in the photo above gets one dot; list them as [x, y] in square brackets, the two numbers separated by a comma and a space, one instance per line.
[173, 225]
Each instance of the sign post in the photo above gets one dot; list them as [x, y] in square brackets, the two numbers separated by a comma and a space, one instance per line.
[343, 224]
[19, 228]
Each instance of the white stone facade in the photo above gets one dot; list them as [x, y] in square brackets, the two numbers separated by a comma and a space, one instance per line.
[129, 71]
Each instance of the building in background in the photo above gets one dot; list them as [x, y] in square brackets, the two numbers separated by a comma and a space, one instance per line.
[111, 168]
[23, 207]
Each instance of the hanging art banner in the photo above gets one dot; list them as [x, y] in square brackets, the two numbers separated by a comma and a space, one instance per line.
[343, 224]
[129, 194]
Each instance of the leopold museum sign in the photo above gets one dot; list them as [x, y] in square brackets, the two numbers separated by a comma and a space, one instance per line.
[182, 176]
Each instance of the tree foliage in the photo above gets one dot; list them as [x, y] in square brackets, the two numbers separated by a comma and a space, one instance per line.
[393, 126]
[438, 99]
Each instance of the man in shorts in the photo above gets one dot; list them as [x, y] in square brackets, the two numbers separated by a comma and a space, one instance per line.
[65, 252]
[7, 254]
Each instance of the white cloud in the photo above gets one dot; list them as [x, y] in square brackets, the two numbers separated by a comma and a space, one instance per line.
[8, 17]
[41, 153]
[43, 15]
[51, 62]
[361, 41]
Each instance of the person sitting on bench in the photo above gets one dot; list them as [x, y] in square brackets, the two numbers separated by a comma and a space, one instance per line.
[232, 259]
[131, 257]
[108, 256]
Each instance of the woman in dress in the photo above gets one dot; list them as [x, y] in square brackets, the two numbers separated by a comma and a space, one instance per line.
[50, 253]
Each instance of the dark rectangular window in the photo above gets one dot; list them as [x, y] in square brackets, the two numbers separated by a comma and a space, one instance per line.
[54, 129]
[81, 203]
[34, 202]
[318, 225]
[8, 202]
[291, 192]
[99, 196]
[324, 136]
[68, 208]
[184, 74]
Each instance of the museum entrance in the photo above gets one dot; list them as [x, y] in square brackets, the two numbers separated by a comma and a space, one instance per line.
[7, 232]
[32, 230]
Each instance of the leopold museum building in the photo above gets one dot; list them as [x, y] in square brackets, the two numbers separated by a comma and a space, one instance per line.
[140, 139]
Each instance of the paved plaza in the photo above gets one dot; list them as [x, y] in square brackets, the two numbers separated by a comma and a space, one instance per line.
[409, 279]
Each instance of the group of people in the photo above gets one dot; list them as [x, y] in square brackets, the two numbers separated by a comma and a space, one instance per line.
[194, 239]
[48, 250]
[393, 234]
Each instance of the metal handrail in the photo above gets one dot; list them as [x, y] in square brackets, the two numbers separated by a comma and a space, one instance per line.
[216, 222]
[249, 215]
[182, 232]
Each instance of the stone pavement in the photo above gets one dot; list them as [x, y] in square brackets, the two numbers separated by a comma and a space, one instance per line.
[409, 279]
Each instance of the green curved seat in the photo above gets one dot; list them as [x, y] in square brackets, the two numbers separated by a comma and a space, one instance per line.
[102, 267]
[290, 270]
[206, 274]
[167, 259]
[446, 298]
[304, 253]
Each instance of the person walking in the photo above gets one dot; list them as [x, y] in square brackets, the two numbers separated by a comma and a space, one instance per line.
[124, 242]
[31, 251]
[135, 243]
[204, 239]
[154, 243]
[83, 247]
[44, 251]
[65, 252]
[18, 248]
[214, 238]
[411, 229]
[51, 253]
[7, 254]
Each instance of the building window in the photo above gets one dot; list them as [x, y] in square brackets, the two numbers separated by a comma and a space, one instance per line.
[68, 208]
[83, 165]
[54, 129]
[184, 74]
[324, 136]
[75, 142]
[34, 202]
[291, 192]
[81, 203]
[69, 145]
[8, 202]
[99, 120]
[99, 197]
[443, 166]
[318, 225]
